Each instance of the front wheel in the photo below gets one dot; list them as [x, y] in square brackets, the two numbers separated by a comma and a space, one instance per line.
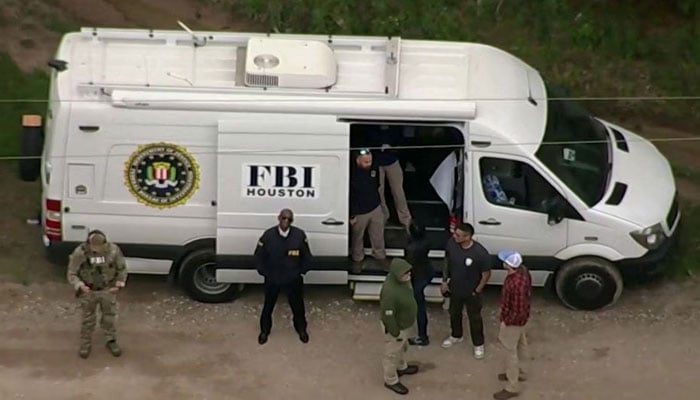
[198, 278]
[588, 284]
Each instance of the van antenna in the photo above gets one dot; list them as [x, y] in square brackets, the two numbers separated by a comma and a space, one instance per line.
[529, 90]
[182, 78]
[198, 41]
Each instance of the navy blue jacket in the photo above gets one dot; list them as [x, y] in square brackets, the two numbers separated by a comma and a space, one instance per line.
[364, 190]
[282, 260]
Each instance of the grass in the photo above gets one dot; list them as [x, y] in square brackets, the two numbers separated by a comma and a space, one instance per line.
[58, 24]
[686, 261]
[622, 48]
[683, 171]
[16, 86]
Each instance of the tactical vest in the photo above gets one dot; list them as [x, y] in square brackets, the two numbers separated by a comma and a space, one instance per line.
[96, 271]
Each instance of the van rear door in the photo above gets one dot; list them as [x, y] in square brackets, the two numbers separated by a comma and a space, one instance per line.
[267, 162]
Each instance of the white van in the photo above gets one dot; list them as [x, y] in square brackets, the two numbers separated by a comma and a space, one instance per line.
[183, 147]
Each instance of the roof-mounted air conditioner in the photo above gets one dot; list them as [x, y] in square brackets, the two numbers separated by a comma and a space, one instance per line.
[288, 63]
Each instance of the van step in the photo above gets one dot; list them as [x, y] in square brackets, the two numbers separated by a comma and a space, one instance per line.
[370, 291]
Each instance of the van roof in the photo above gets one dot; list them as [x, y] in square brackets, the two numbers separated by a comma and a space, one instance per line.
[469, 81]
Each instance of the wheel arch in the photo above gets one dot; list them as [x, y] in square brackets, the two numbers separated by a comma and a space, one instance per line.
[198, 244]
[583, 250]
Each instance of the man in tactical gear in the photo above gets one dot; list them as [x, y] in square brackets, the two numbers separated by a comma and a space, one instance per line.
[97, 271]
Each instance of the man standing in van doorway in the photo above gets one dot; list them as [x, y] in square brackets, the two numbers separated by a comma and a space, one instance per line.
[365, 210]
[514, 316]
[385, 138]
[97, 271]
[283, 256]
[466, 271]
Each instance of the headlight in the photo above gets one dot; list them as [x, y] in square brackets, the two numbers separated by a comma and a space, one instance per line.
[651, 237]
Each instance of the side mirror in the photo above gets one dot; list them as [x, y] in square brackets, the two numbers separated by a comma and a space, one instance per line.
[555, 211]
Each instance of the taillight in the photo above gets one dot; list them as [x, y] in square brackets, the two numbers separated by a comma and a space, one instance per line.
[52, 222]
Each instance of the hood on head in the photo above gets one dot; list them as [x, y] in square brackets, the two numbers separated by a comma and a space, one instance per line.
[399, 267]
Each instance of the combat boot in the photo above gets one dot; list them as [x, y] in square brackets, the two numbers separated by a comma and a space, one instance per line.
[85, 350]
[113, 348]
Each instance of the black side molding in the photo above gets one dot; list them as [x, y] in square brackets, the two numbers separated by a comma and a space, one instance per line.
[239, 261]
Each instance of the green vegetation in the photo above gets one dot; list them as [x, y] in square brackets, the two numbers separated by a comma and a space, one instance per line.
[684, 171]
[28, 92]
[686, 261]
[594, 48]
[57, 24]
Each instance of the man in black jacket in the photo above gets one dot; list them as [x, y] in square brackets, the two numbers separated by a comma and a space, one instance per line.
[283, 256]
[365, 209]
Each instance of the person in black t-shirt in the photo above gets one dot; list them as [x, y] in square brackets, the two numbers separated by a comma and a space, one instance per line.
[465, 274]
[416, 252]
[283, 256]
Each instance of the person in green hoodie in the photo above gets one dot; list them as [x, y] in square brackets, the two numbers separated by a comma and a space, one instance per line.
[398, 308]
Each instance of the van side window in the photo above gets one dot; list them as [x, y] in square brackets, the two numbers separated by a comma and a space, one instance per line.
[511, 183]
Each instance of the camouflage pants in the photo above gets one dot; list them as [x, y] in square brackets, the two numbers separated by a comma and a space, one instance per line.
[89, 302]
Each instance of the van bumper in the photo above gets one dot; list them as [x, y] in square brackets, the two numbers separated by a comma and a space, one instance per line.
[654, 262]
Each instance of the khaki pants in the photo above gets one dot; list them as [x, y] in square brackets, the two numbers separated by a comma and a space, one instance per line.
[89, 302]
[373, 223]
[394, 175]
[514, 340]
[394, 356]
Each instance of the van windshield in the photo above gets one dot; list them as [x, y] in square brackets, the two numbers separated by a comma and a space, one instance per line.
[575, 147]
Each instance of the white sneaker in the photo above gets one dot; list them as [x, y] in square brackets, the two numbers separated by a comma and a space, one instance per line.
[450, 341]
[446, 304]
[479, 352]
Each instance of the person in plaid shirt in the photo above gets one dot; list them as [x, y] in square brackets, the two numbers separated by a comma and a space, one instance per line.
[514, 315]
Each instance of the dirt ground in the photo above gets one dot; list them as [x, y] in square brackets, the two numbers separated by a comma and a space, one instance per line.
[31, 28]
[647, 347]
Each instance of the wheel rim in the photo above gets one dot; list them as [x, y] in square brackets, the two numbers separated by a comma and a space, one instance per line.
[590, 289]
[589, 286]
[205, 280]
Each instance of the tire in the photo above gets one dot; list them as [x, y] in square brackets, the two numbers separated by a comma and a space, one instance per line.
[198, 279]
[31, 145]
[588, 283]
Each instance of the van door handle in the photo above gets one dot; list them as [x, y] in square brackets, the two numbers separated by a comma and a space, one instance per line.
[489, 221]
[89, 128]
[332, 221]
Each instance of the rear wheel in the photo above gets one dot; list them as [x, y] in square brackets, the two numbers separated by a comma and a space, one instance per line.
[588, 283]
[198, 278]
